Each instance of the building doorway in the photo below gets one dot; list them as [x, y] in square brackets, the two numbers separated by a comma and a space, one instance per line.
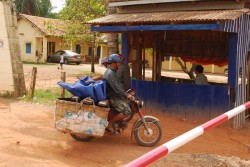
[51, 47]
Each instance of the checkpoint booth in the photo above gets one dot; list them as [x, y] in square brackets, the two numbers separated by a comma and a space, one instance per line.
[200, 33]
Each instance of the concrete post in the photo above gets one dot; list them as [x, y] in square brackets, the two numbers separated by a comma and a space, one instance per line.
[11, 68]
[45, 56]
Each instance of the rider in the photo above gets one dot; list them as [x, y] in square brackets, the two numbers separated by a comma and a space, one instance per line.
[104, 62]
[115, 92]
[123, 74]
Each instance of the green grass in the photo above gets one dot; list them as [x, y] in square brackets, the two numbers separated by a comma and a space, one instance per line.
[47, 96]
[32, 63]
[70, 72]
[7, 95]
[82, 72]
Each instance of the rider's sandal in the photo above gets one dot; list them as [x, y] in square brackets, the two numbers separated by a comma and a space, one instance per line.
[119, 131]
[110, 131]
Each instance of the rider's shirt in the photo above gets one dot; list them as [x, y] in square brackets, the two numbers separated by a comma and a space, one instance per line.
[114, 86]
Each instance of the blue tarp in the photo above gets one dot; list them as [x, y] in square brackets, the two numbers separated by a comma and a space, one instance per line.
[83, 88]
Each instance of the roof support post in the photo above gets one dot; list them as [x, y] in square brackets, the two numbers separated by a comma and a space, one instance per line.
[232, 67]
[125, 47]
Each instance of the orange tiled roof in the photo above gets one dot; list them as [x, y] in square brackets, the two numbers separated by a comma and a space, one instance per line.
[48, 26]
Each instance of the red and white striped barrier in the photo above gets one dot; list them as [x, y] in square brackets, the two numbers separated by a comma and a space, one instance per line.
[179, 141]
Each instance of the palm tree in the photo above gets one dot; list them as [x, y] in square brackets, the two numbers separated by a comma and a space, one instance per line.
[26, 6]
[34, 7]
[112, 37]
[44, 8]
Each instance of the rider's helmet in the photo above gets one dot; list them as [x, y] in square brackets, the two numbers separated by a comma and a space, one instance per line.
[104, 60]
[114, 58]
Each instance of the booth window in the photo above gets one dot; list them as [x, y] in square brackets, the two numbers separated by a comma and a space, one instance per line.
[28, 47]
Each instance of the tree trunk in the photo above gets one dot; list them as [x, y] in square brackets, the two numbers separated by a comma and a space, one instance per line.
[93, 54]
[184, 68]
[28, 7]
[112, 37]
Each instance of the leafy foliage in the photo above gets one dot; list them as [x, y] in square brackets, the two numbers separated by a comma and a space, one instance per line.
[79, 12]
[75, 13]
[82, 10]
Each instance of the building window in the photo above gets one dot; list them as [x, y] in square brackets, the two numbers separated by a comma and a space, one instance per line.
[78, 48]
[51, 47]
[98, 52]
[90, 51]
[28, 47]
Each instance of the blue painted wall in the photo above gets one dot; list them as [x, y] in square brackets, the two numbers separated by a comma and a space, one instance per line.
[187, 101]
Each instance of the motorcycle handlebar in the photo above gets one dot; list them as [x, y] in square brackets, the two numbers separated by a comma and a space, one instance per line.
[133, 99]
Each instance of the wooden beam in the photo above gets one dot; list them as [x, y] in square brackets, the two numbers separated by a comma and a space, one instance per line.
[183, 6]
[169, 2]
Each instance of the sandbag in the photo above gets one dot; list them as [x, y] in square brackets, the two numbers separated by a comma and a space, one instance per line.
[84, 122]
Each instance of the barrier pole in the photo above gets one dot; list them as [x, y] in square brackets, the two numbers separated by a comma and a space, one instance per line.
[179, 141]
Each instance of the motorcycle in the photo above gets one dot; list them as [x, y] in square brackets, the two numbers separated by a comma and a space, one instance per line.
[146, 129]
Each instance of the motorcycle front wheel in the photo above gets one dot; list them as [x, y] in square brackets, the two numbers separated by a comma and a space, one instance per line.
[144, 138]
[81, 137]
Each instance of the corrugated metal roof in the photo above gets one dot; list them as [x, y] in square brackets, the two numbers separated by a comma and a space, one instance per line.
[151, 0]
[141, 2]
[121, 0]
[164, 17]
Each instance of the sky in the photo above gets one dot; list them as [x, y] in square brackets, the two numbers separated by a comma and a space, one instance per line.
[58, 4]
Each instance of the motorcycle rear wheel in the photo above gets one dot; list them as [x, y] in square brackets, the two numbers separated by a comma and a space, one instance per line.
[145, 139]
[82, 138]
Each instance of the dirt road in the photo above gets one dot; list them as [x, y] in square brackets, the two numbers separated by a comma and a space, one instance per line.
[28, 138]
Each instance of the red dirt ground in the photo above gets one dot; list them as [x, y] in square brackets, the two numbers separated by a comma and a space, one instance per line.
[28, 138]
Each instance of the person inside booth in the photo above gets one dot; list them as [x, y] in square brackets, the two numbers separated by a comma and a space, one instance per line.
[200, 78]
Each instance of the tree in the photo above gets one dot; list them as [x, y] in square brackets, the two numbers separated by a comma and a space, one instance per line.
[79, 12]
[82, 10]
[112, 37]
[34, 7]
[44, 8]
[184, 68]
[26, 6]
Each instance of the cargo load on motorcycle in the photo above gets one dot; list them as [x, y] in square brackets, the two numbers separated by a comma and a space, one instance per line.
[86, 114]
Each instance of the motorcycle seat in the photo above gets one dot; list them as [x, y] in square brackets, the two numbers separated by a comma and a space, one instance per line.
[103, 103]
